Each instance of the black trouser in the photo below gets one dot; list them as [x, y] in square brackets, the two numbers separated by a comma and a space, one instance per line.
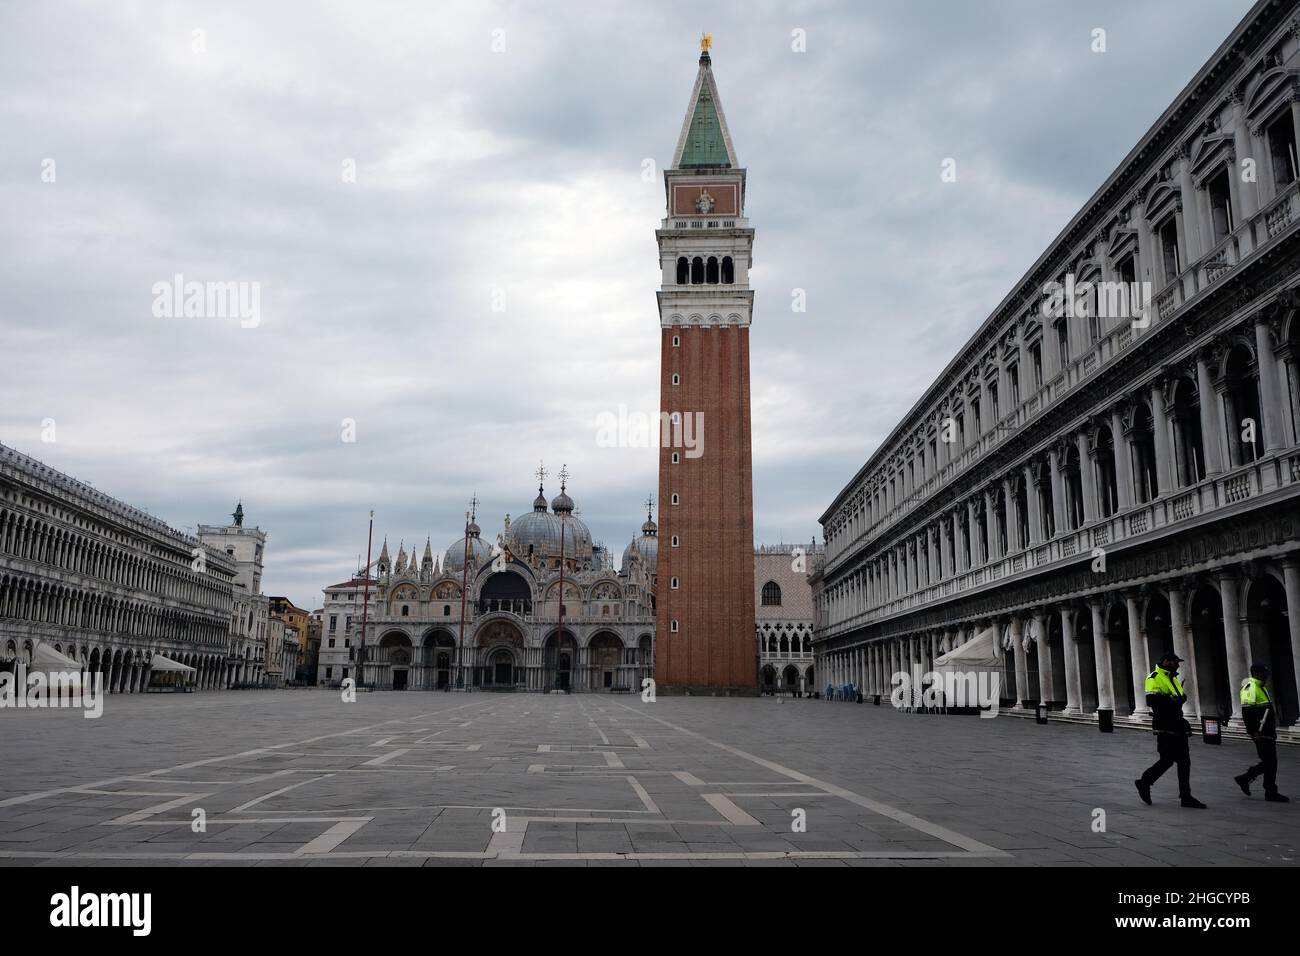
[1266, 747]
[1173, 750]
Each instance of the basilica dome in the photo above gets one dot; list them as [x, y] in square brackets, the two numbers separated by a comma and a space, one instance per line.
[646, 546]
[539, 530]
[454, 559]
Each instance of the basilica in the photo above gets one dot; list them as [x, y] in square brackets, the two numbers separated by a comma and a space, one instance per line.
[539, 606]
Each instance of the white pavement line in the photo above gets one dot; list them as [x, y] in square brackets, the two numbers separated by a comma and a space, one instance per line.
[969, 844]
[132, 793]
[537, 768]
[30, 797]
[612, 760]
[275, 793]
[384, 758]
[543, 748]
[688, 778]
[643, 794]
[476, 855]
[381, 743]
[138, 815]
[729, 810]
[507, 845]
[639, 741]
[331, 837]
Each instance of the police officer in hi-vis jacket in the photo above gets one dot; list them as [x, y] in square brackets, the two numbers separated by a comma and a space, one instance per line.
[1165, 697]
[1261, 723]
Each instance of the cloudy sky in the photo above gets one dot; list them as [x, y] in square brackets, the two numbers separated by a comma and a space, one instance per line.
[484, 290]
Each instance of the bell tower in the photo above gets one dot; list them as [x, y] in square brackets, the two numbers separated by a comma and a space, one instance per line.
[704, 597]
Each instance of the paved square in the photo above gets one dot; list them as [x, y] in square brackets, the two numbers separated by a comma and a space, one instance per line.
[301, 778]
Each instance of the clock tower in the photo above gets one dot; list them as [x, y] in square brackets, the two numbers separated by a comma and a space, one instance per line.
[704, 618]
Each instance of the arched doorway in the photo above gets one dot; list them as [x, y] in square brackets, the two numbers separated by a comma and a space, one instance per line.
[439, 655]
[494, 669]
[790, 678]
[1269, 640]
[1087, 657]
[501, 668]
[1121, 658]
[605, 661]
[1211, 653]
[558, 657]
[769, 679]
[393, 658]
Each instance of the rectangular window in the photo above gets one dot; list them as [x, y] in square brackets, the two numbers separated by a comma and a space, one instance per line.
[1013, 376]
[1063, 342]
[1036, 358]
[1281, 147]
[334, 622]
[331, 644]
[1220, 193]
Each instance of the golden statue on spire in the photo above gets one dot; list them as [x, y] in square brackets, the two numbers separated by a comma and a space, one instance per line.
[706, 42]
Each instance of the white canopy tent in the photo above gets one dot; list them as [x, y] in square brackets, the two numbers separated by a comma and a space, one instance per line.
[160, 664]
[46, 658]
[979, 653]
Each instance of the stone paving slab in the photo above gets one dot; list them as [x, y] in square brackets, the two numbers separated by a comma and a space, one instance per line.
[412, 779]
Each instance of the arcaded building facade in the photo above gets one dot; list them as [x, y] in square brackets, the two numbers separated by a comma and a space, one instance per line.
[1097, 482]
[103, 583]
[537, 607]
[783, 617]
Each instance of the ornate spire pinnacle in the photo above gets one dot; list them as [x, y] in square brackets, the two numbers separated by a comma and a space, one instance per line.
[238, 514]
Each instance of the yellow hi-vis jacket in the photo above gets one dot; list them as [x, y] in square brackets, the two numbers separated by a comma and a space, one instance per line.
[1160, 681]
[1254, 693]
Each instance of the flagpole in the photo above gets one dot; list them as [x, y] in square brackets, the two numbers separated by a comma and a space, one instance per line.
[365, 603]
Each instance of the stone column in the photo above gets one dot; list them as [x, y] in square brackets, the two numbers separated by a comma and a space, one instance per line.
[1022, 665]
[1123, 462]
[1247, 193]
[1035, 519]
[991, 549]
[1291, 577]
[1182, 647]
[1013, 515]
[1238, 651]
[1073, 702]
[959, 536]
[1139, 657]
[1058, 491]
[1271, 399]
[1046, 694]
[1087, 478]
[1211, 424]
[972, 534]
[1101, 654]
[1160, 425]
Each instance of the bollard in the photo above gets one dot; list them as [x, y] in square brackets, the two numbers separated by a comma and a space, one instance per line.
[1040, 714]
[1106, 721]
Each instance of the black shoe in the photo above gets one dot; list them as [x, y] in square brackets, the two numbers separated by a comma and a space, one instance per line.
[1244, 782]
[1275, 797]
[1192, 803]
[1144, 791]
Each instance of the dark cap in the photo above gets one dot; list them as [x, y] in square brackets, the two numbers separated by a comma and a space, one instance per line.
[1259, 667]
[1170, 656]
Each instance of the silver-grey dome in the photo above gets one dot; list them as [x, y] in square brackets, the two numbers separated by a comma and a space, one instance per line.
[540, 530]
[454, 559]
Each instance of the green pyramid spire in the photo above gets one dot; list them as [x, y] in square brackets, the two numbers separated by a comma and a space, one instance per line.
[705, 144]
